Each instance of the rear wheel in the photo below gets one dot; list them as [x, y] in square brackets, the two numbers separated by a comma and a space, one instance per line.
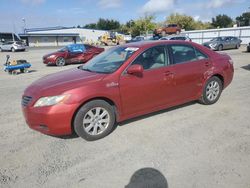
[1, 50]
[212, 91]
[237, 46]
[94, 120]
[60, 61]
[13, 49]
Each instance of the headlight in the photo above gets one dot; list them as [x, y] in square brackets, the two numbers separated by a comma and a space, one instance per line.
[52, 56]
[49, 101]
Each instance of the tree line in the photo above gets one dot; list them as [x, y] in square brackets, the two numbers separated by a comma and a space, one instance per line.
[147, 23]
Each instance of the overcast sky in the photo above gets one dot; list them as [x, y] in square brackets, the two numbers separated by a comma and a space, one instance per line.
[50, 13]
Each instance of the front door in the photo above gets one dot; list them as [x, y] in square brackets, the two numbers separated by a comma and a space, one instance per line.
[150, 90]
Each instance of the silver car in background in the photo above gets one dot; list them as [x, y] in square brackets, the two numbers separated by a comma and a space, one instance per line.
[222, 43]
[12, 46]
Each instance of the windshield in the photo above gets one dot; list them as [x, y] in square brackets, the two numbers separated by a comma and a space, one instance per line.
[64, 49]
[109, 61]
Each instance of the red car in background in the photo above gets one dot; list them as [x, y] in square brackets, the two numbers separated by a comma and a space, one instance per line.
[124, 82]
[73, 53]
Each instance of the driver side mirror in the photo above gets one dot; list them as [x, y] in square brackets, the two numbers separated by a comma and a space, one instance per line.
[135, 70]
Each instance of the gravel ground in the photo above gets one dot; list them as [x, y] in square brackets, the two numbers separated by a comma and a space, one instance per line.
[191, 146]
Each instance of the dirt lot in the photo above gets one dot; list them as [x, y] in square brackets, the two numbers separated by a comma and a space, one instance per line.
[191, 146]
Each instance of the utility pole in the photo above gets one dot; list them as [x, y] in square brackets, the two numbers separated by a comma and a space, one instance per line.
[24, 25]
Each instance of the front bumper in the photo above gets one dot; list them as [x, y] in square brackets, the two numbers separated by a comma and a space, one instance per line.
[49, 61]
[52, 120]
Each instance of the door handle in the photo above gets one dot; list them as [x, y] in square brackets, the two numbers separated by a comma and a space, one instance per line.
[168, 73]
[207, 64]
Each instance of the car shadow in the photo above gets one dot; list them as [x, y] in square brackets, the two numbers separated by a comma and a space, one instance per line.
[147, 177]
[246, 67]
[155, 113]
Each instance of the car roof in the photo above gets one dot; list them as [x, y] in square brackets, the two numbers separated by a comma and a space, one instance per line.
[146, 44]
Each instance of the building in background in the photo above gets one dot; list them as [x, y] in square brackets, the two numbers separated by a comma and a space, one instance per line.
[60, 36]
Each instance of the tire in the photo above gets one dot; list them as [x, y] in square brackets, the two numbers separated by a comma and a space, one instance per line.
[91, 126]
[220, 47]
[237, 46]
[211, 91]
[13, 49]
[1, 50]
[60, 61]
[22, 70]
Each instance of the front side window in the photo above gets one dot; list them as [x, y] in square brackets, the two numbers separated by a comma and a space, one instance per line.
[182, 53]
[110, 60]
[152, 58]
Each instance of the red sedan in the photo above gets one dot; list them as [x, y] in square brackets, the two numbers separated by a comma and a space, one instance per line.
[74, 53]
[124, 82]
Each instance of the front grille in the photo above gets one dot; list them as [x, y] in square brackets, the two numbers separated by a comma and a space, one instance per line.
[26, 100]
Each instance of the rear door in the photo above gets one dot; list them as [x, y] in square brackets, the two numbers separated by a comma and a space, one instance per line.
[189, 66]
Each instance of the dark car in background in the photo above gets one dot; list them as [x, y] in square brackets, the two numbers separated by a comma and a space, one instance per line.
[125, 82]
[73, 53]
[248, 47]
[222, 43]
[136, 39]
[176, 37]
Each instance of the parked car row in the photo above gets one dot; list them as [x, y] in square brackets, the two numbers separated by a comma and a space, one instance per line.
[124, 82]
[217, 43]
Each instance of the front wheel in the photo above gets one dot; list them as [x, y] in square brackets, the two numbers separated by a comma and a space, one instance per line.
[60, 61]
[220, 47]
[212, 91]
[94, 120]
[13, 49]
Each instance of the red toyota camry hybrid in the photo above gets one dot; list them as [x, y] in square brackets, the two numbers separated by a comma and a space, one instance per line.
[124, 82]
[73, 53]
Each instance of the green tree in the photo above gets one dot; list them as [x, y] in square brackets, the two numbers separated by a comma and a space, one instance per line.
[244, 19]
[143, 25]
[91, 26]
[106, 24]
[184, 21]
[222, 21]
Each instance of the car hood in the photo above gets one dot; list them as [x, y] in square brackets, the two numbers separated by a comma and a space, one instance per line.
[58, 83]
[210, 42]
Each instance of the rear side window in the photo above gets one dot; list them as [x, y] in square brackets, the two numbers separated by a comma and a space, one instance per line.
[200, 55]
[182, 53]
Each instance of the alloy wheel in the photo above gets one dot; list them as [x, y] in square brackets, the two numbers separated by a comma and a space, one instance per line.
[212, 90]
[96, 121]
